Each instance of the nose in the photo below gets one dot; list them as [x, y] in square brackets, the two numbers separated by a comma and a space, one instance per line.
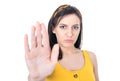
[70, 32]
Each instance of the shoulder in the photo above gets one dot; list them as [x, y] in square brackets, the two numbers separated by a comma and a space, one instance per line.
[93, 57]
[94, 62]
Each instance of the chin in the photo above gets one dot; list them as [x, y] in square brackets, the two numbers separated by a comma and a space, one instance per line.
[67, 45]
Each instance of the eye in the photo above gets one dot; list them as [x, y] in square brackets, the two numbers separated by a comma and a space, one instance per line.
[62, 27]
[75, 27]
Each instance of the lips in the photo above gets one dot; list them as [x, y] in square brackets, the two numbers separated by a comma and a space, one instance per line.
[68, 40]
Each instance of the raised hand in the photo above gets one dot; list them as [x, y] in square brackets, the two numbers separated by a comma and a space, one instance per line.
[40, 59]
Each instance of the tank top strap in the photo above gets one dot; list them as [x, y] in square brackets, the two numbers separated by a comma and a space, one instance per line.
[87, 59]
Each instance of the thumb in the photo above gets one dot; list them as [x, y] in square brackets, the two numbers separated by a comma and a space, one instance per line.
[55, 53]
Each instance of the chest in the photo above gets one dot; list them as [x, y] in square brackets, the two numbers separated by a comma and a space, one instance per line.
[63, 70]
[72, 62]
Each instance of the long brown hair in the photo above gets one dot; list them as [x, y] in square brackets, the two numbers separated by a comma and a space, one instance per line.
[54, 20]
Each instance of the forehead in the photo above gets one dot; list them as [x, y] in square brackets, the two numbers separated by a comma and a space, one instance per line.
[71, 18]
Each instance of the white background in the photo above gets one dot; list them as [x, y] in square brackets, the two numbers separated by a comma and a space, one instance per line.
[101, 20]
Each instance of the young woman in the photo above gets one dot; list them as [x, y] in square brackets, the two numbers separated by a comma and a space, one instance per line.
[56, 55]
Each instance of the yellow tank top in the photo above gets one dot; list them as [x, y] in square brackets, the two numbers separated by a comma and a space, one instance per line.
[84, 74]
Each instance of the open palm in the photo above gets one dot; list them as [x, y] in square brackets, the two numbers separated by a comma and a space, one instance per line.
[40, 59]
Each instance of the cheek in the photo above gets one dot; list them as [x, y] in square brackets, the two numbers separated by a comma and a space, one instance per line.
[59, 35]
[76, 35]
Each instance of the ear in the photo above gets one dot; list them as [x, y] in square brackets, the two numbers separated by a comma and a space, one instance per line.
[53, 31]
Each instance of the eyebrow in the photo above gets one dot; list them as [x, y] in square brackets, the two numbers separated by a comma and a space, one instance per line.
[72, 25]
[76, 25]
[62, 24]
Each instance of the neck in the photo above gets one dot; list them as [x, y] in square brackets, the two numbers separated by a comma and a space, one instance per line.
[68, 50]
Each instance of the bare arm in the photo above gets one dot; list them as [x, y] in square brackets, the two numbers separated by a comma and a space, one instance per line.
[35, 79]
[40, 59]
[95, 65]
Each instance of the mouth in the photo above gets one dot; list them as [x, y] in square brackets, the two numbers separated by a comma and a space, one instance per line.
[68, 40]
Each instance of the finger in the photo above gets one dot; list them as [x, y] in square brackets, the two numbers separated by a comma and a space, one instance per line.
[33, 38]
[45, 36]
[26, 45]
[55, 53]
[39, 35]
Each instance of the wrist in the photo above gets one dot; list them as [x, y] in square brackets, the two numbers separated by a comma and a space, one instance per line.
[35, 78]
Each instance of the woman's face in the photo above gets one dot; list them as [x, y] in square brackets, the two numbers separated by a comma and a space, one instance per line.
[67, 30]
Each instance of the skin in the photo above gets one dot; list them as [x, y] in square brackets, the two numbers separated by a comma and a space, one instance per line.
[41, 60]
[67, 29]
